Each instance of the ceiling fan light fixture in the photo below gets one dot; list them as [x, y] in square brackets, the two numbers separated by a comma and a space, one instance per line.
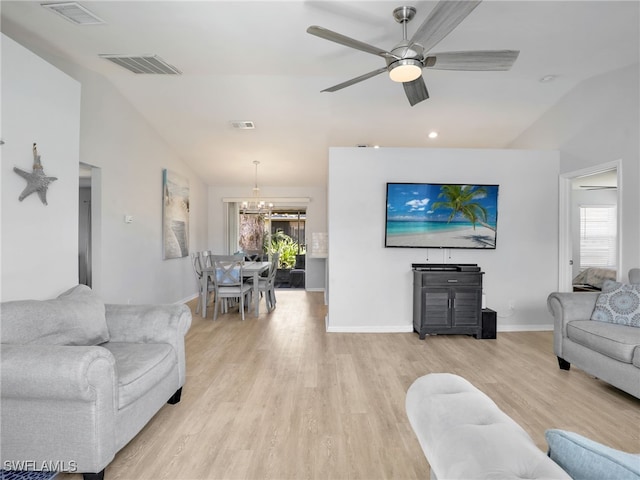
[405, 70]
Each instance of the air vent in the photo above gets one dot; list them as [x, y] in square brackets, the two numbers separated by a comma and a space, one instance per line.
[243, 125]
[148, 64]
[74, 12]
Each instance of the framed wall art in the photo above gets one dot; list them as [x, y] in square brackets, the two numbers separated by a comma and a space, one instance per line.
[175, 215]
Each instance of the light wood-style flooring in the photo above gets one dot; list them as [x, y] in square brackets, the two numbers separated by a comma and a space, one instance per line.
[276, 397]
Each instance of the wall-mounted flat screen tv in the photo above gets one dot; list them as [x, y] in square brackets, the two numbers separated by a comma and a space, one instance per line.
[434, 215]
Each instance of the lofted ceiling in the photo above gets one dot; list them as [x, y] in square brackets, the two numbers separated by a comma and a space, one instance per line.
[254, 61]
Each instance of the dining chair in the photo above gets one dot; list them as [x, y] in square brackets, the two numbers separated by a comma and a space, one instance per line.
[233, 256]
[228, 283]
[206, 258]
[210, 262]
[253, 255]
[197, 270]
[266, 285]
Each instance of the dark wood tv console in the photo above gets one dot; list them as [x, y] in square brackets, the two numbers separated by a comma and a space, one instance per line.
[447, 299]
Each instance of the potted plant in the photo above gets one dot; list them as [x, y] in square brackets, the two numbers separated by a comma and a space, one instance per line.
[288, 249]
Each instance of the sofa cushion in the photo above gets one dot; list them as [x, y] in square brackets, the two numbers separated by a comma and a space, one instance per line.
[140, 366]
[618, 303]
[585, 459]
[612, 340]
[76, 317]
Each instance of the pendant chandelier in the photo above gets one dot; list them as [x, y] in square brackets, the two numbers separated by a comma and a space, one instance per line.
[255, 204]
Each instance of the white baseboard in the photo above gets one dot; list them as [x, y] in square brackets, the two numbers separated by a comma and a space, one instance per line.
[525, 328]
[316, 289]
[185, 300]
[371, 329]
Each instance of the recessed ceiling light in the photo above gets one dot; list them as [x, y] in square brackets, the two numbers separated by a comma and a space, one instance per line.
[243, 124]
[376, 146]
[548, 78]
[433, 134]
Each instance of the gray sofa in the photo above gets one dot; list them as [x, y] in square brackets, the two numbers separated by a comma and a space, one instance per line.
[80, 379]
[606, 350]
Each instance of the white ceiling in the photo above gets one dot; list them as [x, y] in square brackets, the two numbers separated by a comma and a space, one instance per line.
[254, 61]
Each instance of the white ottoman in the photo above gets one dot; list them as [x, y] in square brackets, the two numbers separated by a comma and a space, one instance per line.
[464, 434]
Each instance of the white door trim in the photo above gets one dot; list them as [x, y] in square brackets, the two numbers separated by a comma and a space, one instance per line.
[565, 254]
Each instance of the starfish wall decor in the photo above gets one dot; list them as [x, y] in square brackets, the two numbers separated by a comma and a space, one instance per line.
[37, 181]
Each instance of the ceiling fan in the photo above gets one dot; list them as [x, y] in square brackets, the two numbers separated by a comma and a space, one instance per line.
[406, 60]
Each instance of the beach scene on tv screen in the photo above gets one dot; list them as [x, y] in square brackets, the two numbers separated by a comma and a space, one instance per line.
[441, 216]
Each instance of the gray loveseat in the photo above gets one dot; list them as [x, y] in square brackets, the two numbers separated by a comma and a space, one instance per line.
[607, 350]
[80, 379]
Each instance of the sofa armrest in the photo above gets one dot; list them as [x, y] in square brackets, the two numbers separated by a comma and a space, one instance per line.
[59, 404]
[57, 372]
[151, 324]
[566, 307]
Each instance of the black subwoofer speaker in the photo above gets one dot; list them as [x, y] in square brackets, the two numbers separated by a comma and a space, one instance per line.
[489, 318]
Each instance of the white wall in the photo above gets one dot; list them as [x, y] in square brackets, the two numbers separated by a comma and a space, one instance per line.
[130, 156]
[316, 219]
[39, 242]
[370, 286]
[596, 123]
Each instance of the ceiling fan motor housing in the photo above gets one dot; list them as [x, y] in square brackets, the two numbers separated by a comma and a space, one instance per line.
[404, 14]
[409, 59]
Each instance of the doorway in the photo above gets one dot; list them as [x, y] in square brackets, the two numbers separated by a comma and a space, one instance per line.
[89, 222]
[84, 226]
[289, 224]
[594, 188]
[281, 229]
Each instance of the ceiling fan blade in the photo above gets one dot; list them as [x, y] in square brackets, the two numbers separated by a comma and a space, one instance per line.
[349, 42]
[444, 17]
[416, 91]
[353, 81]
[474, 60]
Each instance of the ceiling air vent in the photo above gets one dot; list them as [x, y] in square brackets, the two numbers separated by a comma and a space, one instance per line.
[74, 12]
[243, 125]
[149, 64]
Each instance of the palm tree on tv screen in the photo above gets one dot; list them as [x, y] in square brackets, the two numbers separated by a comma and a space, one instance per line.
[460, 199]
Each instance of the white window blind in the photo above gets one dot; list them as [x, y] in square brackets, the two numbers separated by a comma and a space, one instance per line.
[598, 236]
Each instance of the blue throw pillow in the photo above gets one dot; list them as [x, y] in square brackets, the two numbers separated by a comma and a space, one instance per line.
[584, 459]
[618, 303]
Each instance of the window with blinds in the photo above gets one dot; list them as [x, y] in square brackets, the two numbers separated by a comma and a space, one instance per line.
[598, 236]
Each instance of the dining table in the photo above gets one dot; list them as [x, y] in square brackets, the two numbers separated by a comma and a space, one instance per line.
[249, 270]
